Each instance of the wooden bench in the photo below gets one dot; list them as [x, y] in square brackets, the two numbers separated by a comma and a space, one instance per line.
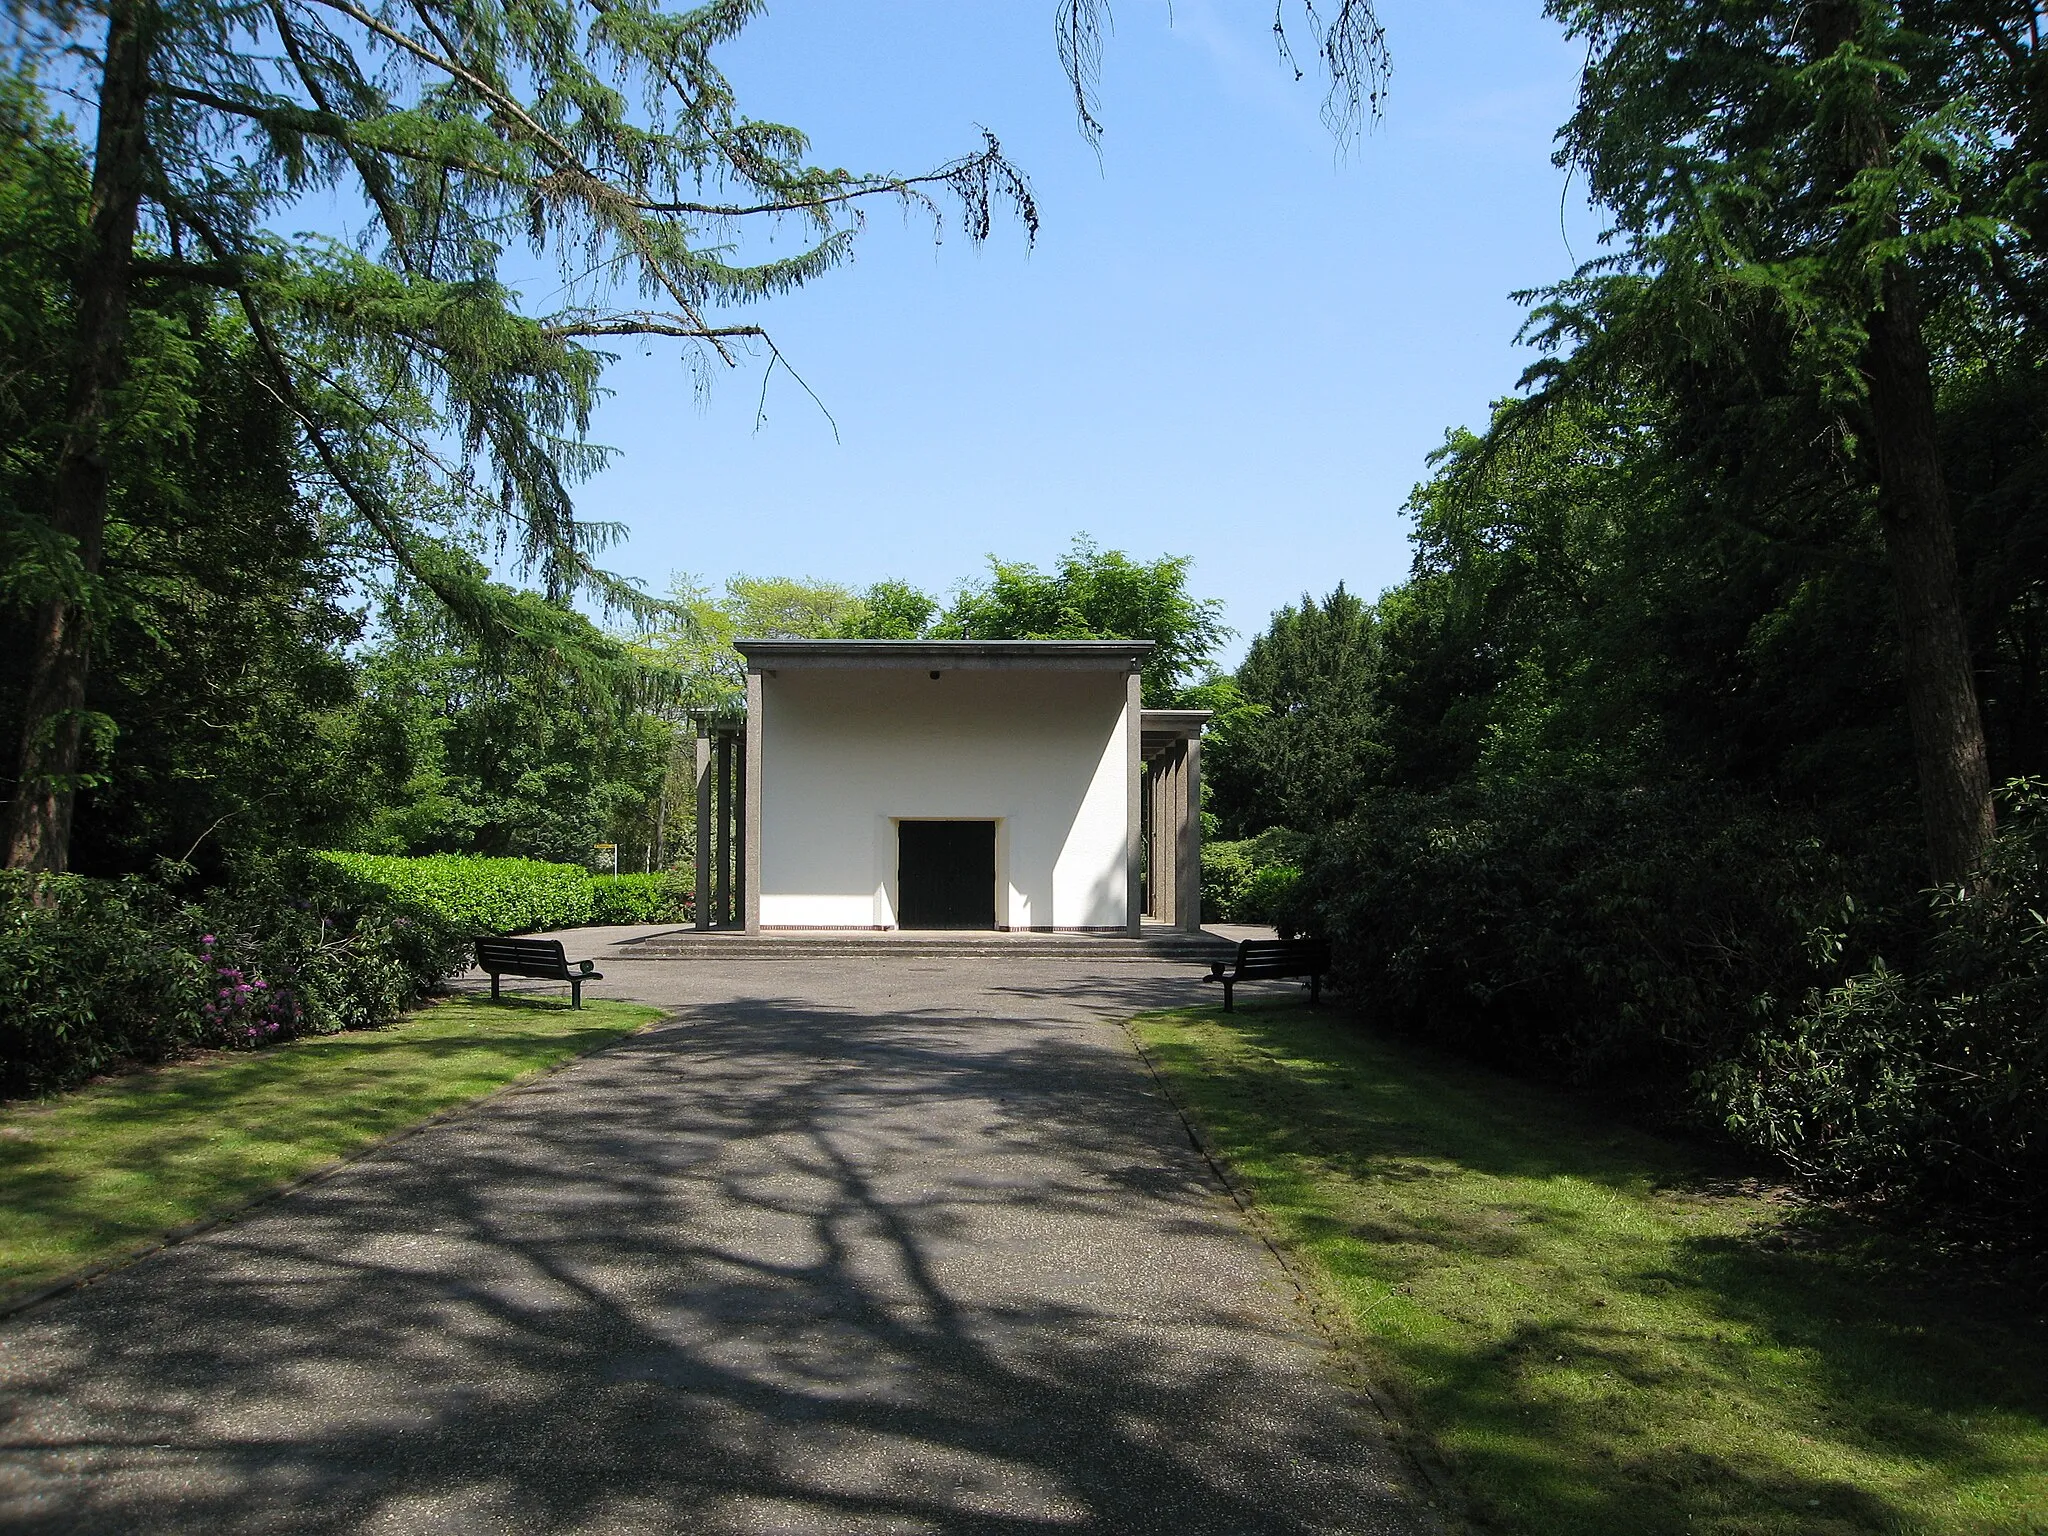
[542, 958]
[1273, 960]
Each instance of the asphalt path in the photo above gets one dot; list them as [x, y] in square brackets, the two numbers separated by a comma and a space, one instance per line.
[887, 1244]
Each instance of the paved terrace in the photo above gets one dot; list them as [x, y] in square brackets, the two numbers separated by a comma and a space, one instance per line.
[851, 1243]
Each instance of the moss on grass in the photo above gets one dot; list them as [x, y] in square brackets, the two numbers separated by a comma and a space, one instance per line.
[102, 1170]
[1594, 1328]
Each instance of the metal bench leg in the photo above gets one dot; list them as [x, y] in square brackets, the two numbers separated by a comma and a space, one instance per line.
[1315, 989]
[1227, 986]
[575, 991]
[494, 986]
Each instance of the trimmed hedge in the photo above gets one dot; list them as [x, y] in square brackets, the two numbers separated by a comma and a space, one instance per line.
[94, 973]
[477, 896]
[639, 898]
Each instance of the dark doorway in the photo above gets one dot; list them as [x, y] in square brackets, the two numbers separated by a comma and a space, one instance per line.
[946, 874]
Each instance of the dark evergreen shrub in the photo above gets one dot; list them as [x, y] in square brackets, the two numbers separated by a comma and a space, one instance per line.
[1925, 1092]
[94, 973]
[1625, 938]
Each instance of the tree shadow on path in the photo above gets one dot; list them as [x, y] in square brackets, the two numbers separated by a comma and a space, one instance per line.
[776, 1266]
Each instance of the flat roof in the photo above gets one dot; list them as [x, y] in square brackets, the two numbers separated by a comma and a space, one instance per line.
[1063, 655]
[1163, 727]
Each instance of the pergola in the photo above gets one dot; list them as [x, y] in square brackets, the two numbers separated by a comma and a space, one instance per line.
[721, 900]
[1170, 742]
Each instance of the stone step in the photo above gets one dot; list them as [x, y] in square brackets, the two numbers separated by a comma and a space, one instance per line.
[737, 946]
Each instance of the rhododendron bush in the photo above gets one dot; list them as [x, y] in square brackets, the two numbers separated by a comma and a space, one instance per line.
[95, 973]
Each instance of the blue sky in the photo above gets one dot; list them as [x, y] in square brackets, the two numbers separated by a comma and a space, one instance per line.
[1233, 339]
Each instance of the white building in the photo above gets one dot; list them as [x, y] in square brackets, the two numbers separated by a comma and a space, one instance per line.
[958, 784]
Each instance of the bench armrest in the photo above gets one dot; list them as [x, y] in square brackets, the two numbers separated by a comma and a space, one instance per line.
[1216, 970]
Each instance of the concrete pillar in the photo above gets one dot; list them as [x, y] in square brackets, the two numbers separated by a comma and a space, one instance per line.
[1152, 826]
[722, 875]
[1166, 835]
[1188, 903]
[1134, 762]
[702, 901]
[1162, 838]
[750, 819]
[740, 832]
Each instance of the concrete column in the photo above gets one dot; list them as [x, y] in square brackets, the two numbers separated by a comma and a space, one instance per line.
[750, 830]
[1162, 839]
[1166, 835]
[1152, 825]
[722, 876]
[739, 832]
[1189, 904]
[702, 901]
[1134, 762]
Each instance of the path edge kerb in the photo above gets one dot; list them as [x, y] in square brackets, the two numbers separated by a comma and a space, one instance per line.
[1446, 1504]
[13, 1304]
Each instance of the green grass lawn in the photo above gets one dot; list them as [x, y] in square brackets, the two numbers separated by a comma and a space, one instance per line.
[105, 1169]
[1597, 1331]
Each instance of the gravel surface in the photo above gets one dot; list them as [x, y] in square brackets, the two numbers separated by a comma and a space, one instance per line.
[872, 1245]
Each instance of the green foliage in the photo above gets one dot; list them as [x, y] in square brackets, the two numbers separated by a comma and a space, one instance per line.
[466, 751]
[1268, 893]
[94, 973]
[695, 643]
[1625, 938]
[1769, 172]
[43, 191]
[476, 896]
[1302, 745]
[1250, 881]
[91, 973]
[890, 610]
[647, 898]
[1093, 594]
[1925, 1092]
[218, 614]
[602, 138]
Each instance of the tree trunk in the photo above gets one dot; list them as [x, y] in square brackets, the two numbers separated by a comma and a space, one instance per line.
[1919, 529]
[1919, 536]
[53, 713]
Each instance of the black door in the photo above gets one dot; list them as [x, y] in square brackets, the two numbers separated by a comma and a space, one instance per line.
[946, 874]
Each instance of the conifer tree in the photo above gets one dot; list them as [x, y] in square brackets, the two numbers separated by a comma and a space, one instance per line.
[1798, 189]
[596, 134]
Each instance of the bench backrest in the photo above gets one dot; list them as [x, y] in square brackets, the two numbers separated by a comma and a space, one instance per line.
[1281, 957]
[521, 954]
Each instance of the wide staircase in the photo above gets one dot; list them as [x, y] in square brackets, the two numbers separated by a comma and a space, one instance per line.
[1155, 944]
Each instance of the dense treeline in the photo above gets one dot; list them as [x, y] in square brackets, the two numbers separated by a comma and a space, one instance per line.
[1719, 634]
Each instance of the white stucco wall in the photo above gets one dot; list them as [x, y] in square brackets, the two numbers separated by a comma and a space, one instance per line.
[847, 752]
